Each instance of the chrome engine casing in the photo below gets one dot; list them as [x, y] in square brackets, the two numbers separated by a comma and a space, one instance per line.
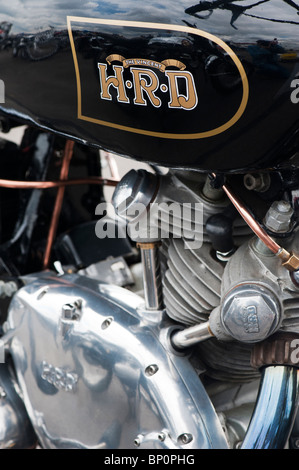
[16, 431]
[96, 371]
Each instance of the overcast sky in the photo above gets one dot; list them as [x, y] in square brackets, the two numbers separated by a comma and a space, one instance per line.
[33, 15]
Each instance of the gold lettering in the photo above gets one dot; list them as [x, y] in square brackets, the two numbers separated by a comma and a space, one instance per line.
[115, 81]
[143, 86]
[178, 100]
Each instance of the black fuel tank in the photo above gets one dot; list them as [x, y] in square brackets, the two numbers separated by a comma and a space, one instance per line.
[212, 85]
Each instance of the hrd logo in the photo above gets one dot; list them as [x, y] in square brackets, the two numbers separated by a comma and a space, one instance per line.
[178, 85]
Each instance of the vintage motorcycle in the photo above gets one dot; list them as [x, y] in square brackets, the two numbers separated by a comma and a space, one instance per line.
[171, 321]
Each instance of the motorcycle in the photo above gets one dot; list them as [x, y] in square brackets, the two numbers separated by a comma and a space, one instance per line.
[166, 317]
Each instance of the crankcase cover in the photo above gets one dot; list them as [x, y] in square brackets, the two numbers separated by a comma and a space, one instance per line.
[95, 374]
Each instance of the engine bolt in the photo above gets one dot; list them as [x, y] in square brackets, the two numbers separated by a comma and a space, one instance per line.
[72, 311]
[259, 182]
[238, 445]
[296, 443]
[151, 370]
[278, 217]
[42, 293]
[106, 323]
[185, 438]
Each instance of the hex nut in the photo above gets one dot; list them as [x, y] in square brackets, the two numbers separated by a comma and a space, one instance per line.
[72, 311]
[250, 313]
[259, 182]
[278, 217]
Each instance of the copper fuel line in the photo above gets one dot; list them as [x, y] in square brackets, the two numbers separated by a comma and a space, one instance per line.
[68, 153]
[290, 260]
[60, 184]
[14, 184]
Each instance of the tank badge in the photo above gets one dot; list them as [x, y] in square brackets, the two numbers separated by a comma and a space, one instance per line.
[147, 83]
[134, 89]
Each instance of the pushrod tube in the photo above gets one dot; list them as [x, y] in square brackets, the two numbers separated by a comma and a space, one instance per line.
[151, 276]
[275, 409]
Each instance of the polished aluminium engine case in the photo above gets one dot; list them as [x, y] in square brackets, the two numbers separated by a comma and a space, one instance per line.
[97, 372]
[207, 86]
[16, 431]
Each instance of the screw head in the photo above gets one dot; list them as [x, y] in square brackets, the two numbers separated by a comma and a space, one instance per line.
[137, 442]
[42, 293]
[106, 323]
[151, 370]
[185, 438]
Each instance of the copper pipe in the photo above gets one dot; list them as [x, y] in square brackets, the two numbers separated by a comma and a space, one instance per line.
[61, 184]
[290, 260]
[112, 165]
[253, 224]
[14, 184]
[68, 153]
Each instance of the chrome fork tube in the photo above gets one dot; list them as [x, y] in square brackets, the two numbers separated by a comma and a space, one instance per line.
[275, 409]
[151, 276]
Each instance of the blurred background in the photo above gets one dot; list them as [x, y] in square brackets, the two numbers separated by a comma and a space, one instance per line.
[118, 164]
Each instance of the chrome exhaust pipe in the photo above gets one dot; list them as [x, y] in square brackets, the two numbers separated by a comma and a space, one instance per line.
[275, 410]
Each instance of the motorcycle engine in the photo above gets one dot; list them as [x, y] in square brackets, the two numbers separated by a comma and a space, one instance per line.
[231, 264]
[95, 365]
